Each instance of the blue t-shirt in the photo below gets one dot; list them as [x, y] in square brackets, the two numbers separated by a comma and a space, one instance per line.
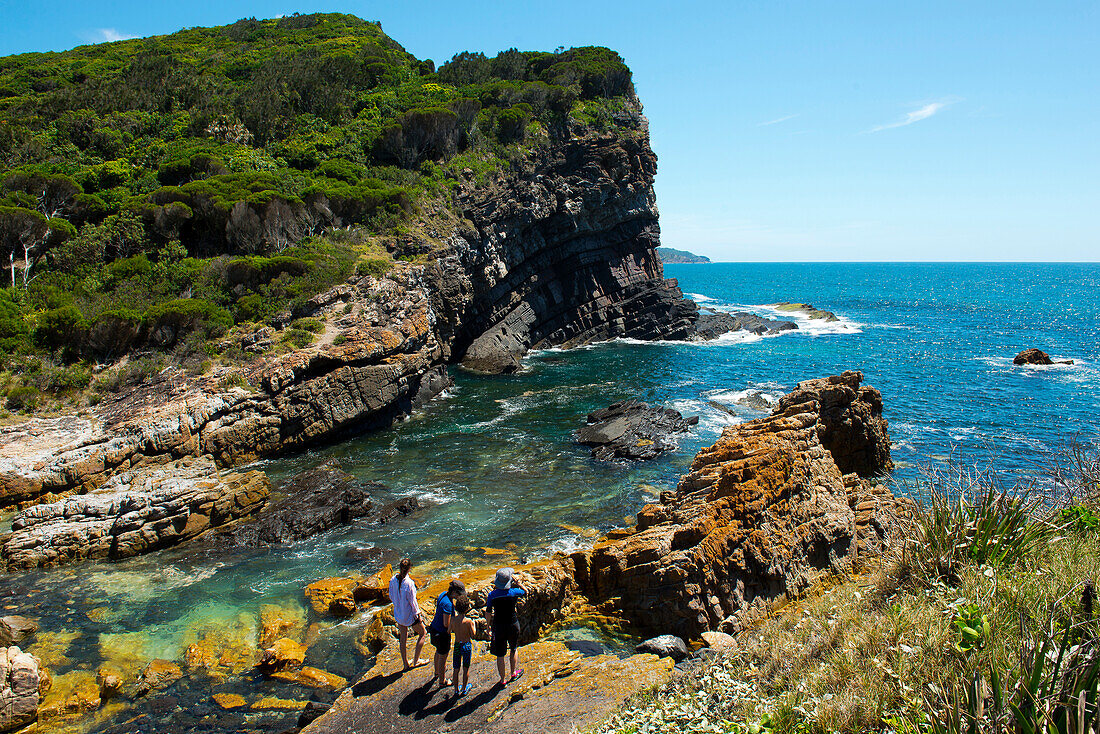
[443, 607]
[503, 604]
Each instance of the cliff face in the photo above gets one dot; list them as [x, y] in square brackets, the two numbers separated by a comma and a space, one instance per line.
[559, 250]
[562, 250]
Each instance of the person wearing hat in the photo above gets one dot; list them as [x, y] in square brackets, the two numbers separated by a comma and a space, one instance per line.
[500, 613]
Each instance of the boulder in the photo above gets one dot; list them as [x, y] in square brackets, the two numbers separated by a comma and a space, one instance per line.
[20, 678]
[1036, 356]
[665, 646]
[398, 509]
[135, 512]
[14, 629]
[334, 595]
[631, 429]
[719, 641]
[229, 701]
[312, 678]
[109, 681]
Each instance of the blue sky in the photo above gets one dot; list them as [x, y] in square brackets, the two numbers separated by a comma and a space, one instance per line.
[787, 130]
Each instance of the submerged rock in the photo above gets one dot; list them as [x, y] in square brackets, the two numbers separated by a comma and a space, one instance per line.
[158, 675]
[1036, 356]
[665, 646]
[135, 512]
[713, 324]
[14, 629]
[631, 429]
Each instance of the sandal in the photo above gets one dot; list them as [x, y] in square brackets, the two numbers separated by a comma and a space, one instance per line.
[516, 675]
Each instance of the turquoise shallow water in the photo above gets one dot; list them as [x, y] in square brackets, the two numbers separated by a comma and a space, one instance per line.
[495, 463]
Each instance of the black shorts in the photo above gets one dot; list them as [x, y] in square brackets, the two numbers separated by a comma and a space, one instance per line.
[504, 640]
[441, 641]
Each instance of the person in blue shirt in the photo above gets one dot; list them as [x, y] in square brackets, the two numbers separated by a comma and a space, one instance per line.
[440, 629]
[504, 623]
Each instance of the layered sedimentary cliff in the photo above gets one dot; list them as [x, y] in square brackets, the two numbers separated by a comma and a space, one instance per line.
[558, 250]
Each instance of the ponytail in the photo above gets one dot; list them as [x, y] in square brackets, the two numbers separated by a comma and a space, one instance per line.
[405, 565]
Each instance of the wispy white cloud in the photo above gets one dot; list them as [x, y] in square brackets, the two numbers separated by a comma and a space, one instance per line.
[106, 35]
[915, 116]
[778, 120]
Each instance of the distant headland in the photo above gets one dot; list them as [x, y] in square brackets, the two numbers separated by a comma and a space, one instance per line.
[671, 255]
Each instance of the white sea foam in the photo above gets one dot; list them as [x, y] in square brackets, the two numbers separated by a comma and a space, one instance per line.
[735, 397]
[711, 419]
[699, 298]
[569, 544]
[812, 327]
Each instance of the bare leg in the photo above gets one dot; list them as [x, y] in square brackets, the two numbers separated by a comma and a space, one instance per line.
[455, 677]
[403, 636]
[512, 661]
[465, 676]
[441, 669]
[500, 669]
[421, 634]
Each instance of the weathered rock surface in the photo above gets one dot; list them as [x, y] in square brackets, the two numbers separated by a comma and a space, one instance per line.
[385, 365]
[311, 502]
[1036, 356]
[134, 512]
[20, 675]
[806, 309]
[851, 425]
[631, 429]
[713, 324]
[560, 692]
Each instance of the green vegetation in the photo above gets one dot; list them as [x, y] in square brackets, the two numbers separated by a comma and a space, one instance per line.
[982, 620]
[156, 193]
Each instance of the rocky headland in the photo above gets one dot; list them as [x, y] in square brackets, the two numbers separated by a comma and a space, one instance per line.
[672, 255]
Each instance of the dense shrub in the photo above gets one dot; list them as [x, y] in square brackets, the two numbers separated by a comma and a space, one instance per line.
[25, 398]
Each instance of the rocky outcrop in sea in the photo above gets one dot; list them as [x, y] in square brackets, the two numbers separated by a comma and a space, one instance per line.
[1036, 356]
[631, 429]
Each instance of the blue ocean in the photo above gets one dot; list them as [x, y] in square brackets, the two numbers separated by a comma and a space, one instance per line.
[494, 462]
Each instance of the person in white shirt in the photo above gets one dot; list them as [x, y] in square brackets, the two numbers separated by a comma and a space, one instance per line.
[407, 612]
